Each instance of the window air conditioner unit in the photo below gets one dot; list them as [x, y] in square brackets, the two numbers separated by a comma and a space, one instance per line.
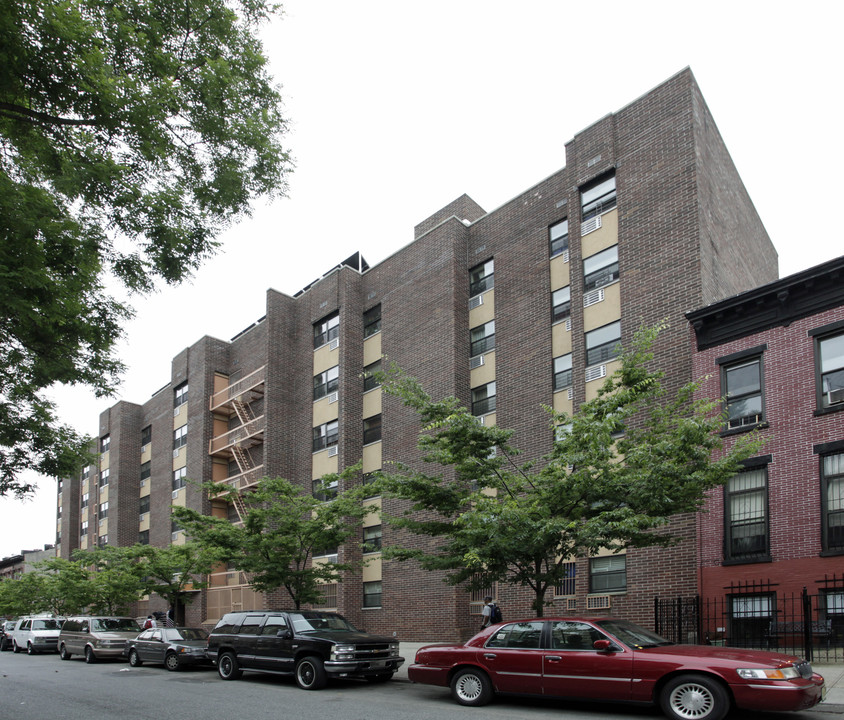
[599, 602]
[591, 298]
[833, 397]
[596, 372]
[176, 410]
[476, 301]
[174, 536]
[590, 225]
[332, 397]
[334, 344]
[142, 517]
[176, 453]
[568, 324]
[174, 494]
[480, 419]
[476, 362]
[144, 448]
[565, 256]
[571, 393]
[332, 451]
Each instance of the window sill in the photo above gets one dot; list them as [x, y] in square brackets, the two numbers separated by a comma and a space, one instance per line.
[744, 428]
[831, 553]
[377, 607]
[748, 561]
[828, 410]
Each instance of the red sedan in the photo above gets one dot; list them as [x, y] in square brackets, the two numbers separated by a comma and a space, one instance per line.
[609, 659]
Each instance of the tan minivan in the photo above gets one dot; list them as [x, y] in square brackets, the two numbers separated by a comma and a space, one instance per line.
[96, 636]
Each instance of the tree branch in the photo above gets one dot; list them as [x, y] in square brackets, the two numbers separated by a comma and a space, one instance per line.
[19, 112]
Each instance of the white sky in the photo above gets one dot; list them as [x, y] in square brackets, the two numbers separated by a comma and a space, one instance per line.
[398, 108]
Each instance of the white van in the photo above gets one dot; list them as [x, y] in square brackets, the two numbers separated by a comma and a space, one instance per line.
[36, 633]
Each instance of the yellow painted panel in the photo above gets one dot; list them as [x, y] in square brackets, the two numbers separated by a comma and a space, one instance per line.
[372, 571]
[103, 494]
[371, 457]
[180, 417]
[85, 486]
[373, 517]
[325, 358]
[103, 526]
[146, 455]
[483, 313]
[489, 420]
[322, 464]
[83, 543]
[372, 349]
[144, 524]
[180, 499]
[604, 312]
[180, 539]
[485, 373]
[601, 239]
[372, 402]
[560, 339]
[104, 457]
[325, 411]
[562, 402]
[181, 459]
[560, 274]
[595, 385]
[145, 488]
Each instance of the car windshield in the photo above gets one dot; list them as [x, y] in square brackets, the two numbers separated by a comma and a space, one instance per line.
[185, 634]
[633, 635]
[46, 625]
[116, 625]
[314, 621]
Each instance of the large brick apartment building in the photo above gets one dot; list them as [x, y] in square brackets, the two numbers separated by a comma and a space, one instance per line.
[773, 538]
[507, 310]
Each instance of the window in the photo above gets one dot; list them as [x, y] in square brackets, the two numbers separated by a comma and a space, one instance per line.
[273, 624]
[84, 530]
[372, 594]
[326, 435]
[85, 498]
[830, 353]
[326, 382]
[372, 429]
[103, 510]
[517, 635]
[369, 477]
[567, 585]
[560, 304]
[326, 329]
[597, 197]
[146, 435]
[481, 278]
[558, 237]
[562, 372]
[105, 443]
[482, 339]
[483, 399]
[573, 635]
[746, 516]
[86, 473]
[180, 395]
[602, 343]
[180, 437]
[325, 490]
[146, 469]
[372, 539]
[832, 483]
[143, 505]
[175, 528]
[104, 474]
[600, 269]
[749, 619]
[372, 321]
[180, 478]
[742, 387]
[102, 540]
[608, 574]
[370, 382]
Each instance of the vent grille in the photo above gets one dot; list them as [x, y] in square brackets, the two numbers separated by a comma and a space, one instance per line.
[476, 301]
[565, 256]
[332, 397]
[833, 397]
[568, 324]
[599, 602]
[593, 297]
[334, 344]
[571, 393]
[176, 453]
[332, 451]
[476, 362]
[596, 372]
[590, 225]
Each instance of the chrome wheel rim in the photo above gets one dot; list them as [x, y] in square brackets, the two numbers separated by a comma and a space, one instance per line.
[469, 687]
[692, 701]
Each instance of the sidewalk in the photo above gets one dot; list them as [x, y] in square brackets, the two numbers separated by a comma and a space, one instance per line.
[833, 675]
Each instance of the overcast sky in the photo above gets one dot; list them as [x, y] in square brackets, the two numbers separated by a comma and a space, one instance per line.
[398, 108]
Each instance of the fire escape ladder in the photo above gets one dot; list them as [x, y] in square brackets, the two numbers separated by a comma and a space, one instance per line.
[239, 505]
[243, 410]
[243, 458]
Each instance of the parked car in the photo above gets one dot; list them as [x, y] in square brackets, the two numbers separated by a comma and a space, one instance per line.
[171, 647]
[312, 646]
[615, 660]
[36, 634]
[6, 627]
[96, 637]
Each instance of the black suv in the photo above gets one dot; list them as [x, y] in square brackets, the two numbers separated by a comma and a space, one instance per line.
[310, 645]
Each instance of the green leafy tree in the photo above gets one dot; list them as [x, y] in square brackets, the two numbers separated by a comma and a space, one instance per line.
[117, 578]
[67, 587]
[170, 571]
[620, 467]
[22, 596]
[283, 528]
[131, 135]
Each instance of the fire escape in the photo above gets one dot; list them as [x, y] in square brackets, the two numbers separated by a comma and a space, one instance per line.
[236, 400]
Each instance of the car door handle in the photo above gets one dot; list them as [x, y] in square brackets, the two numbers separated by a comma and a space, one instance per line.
[553, 658]
[490, 656]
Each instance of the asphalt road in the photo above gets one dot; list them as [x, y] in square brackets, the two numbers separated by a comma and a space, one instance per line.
[43, 687]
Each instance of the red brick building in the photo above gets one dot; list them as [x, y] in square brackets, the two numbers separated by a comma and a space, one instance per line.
[508, 310]
[776, 354]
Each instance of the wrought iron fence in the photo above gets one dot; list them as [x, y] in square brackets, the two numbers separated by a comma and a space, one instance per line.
[758, 615]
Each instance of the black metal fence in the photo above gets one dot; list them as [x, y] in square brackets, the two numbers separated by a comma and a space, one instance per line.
[757, 615]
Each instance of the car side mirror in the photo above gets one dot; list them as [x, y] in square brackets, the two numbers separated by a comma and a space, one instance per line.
[602, 645]
[284, 633]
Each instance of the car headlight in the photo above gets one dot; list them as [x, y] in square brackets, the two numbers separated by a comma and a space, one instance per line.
[786, 673]
[394, 648]
[343, 652]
